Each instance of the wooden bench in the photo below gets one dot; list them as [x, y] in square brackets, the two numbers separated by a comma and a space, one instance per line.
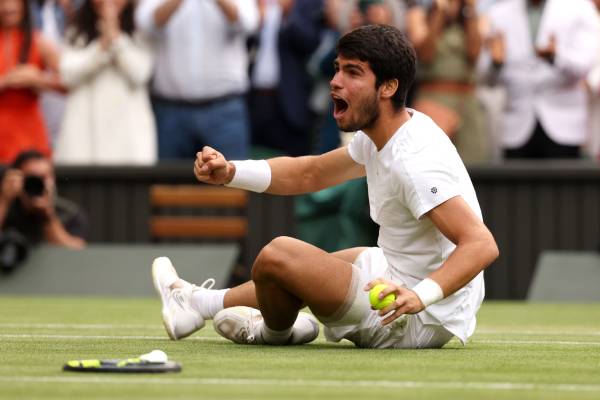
[198, 212]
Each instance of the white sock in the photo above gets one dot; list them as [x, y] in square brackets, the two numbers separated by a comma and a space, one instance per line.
[273, 337]
[208, 302]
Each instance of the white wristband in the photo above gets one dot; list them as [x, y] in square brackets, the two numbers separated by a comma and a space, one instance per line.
[428, 291]
[253, 175]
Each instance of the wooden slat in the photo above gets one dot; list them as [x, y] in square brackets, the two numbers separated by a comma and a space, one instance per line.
[198, 227]
[197, 196]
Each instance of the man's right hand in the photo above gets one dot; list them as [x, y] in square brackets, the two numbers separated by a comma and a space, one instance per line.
[12, 185]
[212, 167]
[497, 47]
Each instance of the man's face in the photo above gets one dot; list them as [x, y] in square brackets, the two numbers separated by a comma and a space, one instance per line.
[355, 99]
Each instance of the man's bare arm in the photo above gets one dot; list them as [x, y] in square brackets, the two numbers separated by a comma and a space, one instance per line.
[55, 233]
[289, 175]
[312, 173]
[229, 10]
[164, 12]
[475, 249]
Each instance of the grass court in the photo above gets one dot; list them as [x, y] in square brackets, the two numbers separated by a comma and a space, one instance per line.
[520, 351]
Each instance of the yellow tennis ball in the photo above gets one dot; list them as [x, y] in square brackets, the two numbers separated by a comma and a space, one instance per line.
[374, 297]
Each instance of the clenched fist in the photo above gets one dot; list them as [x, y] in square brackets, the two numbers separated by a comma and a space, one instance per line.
[211, 167]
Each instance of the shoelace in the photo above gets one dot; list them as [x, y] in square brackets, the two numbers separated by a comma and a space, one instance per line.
[247, 332]
[207, 284]
[177, 293]
[250, 338]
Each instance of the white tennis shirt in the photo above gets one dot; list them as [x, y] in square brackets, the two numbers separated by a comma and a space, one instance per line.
[417, 170]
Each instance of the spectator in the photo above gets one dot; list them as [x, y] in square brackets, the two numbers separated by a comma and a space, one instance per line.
[30, 211]
[541, 51]
[346, 15]
[106, 66]
[592, 144]
[201, 75]
[27, 65]
[50, 18]
[279, 100]
[447, 41]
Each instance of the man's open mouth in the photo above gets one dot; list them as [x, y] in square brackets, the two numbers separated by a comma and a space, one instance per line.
[339, 106]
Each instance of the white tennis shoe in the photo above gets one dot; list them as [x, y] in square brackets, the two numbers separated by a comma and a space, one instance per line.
[243, 325]
[179, 316]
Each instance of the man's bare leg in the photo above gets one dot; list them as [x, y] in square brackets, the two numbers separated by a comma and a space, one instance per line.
[279, 301]
[245, 294]
[242, 295]
[289, 274]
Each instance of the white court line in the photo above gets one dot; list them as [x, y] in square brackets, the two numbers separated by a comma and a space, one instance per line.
[308, 383]
[559, 342]
[490, 331]
[80, 326]
[217, 338]
[98, 337]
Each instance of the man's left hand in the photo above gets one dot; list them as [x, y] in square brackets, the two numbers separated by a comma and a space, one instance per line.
[407, 301]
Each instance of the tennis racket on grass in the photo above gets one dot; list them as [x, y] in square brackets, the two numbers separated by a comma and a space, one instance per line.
[153, 362]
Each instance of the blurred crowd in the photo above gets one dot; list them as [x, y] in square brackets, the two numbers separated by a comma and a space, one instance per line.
[125, 82]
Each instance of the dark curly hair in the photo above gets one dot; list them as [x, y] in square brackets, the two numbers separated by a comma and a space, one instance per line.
[85, 27]
[389, 54]
[26, 27]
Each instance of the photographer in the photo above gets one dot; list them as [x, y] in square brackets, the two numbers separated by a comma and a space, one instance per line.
[30, 211]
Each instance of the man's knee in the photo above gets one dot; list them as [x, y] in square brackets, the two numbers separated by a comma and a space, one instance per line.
[273, 260]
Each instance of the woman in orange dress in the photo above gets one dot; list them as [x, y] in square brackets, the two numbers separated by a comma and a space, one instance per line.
[28, 65]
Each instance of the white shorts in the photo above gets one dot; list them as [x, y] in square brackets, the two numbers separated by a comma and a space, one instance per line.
[357, 322]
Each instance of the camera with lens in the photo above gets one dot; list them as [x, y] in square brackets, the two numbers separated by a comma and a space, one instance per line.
[14, 249]
[33, 186]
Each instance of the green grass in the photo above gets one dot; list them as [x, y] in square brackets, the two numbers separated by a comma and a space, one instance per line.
[520, 351]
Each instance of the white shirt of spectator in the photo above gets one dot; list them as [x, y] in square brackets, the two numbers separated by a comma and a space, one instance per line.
[417, 170]
[266, 67]
[199, 53]
[551, 93]
[50, 26]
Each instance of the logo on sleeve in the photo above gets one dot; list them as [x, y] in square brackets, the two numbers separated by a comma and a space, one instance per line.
[434, 190]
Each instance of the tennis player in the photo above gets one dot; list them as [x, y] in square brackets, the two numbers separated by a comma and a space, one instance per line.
[432, 246]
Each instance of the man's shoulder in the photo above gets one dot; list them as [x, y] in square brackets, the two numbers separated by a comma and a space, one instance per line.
[425, 150]
[423, 138]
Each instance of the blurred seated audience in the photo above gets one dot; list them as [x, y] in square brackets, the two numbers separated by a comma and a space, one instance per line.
[201, 73]
[280, 84]
[447, 40]
[541, 51]
[28, 65]
[31, 212]
[106, 66]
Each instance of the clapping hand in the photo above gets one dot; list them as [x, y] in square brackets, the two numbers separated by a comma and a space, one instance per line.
[108, 24]
[548, 52]
[23, 76]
